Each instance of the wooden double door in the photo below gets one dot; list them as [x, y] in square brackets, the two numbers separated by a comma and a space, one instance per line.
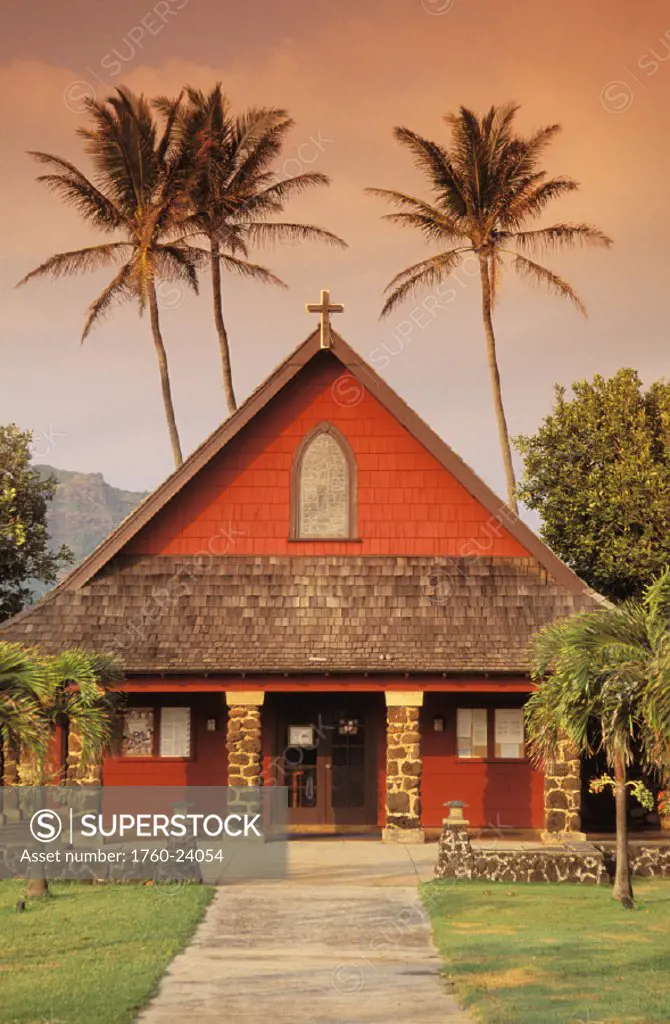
[326, 757]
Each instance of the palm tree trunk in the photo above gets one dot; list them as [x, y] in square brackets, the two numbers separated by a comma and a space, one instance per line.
[36, 882]
[623, 889]
[221, 328]
[165, 378]
[492, 359]
[36, 879]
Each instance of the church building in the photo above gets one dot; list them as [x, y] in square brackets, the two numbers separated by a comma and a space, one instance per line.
[324, 596]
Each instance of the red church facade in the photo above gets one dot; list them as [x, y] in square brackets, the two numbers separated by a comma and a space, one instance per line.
[325, 597]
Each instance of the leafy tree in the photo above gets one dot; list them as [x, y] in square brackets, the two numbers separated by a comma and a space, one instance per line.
[232, 191]
[136, 190]
[610, 668]
[24, 497]
[598, 472]
[486, 188]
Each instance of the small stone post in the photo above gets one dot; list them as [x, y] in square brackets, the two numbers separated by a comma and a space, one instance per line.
[403, 768]
[455, 858]
[243, 737]
[563, 796]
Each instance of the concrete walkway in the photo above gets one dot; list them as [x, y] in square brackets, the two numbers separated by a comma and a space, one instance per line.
[343, 940]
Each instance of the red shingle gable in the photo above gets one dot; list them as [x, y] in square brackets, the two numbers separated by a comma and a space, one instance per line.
[408, 502]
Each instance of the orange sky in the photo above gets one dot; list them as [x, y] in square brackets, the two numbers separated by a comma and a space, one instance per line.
[348, 73]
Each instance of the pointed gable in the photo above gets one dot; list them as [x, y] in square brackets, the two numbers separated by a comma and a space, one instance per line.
[213, 572]
[342, 381]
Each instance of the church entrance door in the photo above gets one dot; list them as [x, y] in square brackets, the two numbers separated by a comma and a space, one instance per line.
[326, 759]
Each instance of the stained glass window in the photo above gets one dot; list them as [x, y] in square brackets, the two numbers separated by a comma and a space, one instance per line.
[324, 489]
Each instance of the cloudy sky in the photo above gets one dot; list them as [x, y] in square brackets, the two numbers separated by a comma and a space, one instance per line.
[348, 72]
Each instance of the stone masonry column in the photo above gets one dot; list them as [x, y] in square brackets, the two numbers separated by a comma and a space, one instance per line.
[9, 777]
[563, 796]
[9, 757]
[403, 768]
[76, 774]
[243, 738]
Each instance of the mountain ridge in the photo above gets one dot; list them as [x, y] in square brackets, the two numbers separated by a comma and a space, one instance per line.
[85, 509]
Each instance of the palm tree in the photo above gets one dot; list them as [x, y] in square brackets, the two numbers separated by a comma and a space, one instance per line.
[81, 695]
[486, 187]
[136, 190]
[22, 688]
[232, 190]
[611, 669]
[76, 692]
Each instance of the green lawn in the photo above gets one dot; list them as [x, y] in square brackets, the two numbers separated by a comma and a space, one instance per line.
[554, 954]
[90, 952]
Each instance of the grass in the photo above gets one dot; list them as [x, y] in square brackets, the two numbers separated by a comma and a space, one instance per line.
[90, 952]
[554, 954]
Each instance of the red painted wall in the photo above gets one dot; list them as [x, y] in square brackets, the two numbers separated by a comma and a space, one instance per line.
[498, 793]
[505, 793]
[208, 765]
[408, 504]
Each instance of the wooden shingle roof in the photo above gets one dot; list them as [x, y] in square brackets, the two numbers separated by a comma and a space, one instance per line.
[307, 613]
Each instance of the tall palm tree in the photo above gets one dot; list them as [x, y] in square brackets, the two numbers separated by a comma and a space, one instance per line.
[611, 669]
[232, 190]
[137, 191]
[486, 187]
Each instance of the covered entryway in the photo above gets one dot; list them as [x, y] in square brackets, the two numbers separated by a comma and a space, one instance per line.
[326, 751]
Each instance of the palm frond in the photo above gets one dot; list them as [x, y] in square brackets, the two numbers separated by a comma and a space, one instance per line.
[244, 268]
[275, 195]
[178, 263]
[559, 236]
[444, 177]
[541, 275]
[268, 232]
[530, 197]
[79, 260]
[612, 667]
[425, 274]
[433, 229]
[22, 689]
[75, 188]
[118, 290]
[413, 204]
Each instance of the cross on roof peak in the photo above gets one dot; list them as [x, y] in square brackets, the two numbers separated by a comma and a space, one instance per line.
[325, 308]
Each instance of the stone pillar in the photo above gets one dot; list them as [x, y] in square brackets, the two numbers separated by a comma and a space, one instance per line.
[77, 774]
[403, 768]
[9, 777]
[9, 757]
[563, 796]
[243, 737]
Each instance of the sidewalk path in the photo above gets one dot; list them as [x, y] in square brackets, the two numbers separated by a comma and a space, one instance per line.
[343, 940]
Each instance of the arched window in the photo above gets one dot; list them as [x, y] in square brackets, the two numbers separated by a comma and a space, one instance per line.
[324, 487]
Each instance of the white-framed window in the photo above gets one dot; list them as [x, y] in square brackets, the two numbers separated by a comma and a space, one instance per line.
[495, 733]
[472, 735]
[156, 732]
[508, 733]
